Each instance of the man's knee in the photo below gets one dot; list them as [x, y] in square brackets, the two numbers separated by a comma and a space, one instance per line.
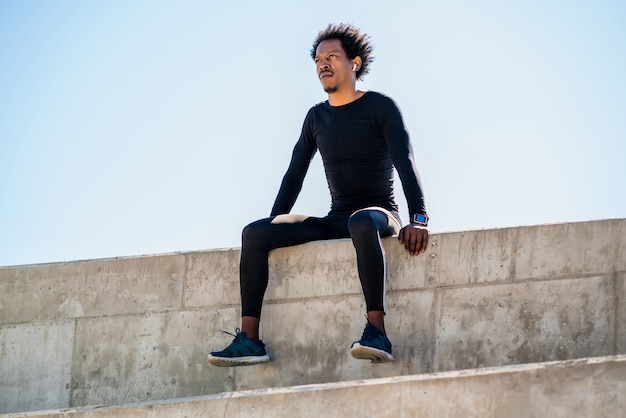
[254, 232]
[361, 223]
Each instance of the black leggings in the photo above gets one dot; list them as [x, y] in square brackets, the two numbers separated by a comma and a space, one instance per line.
[365, 227]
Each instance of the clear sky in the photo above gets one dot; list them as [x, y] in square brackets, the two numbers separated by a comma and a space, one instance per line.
[141, 127]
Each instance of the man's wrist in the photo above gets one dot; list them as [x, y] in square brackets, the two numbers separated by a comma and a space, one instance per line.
[419, 219]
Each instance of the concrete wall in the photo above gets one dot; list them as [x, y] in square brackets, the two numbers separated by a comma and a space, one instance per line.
[584, 388]
[136, 329]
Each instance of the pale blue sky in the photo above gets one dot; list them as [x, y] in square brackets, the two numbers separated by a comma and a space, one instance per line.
[141, 127]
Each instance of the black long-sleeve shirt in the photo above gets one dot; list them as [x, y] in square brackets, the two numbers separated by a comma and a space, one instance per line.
[360, 144]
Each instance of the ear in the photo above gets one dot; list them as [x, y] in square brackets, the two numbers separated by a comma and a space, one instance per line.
[358, 62]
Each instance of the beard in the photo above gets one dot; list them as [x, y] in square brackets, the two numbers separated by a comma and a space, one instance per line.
[330, 89]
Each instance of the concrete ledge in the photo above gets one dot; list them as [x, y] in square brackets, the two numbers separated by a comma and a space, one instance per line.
[593, 387]
[169, 282]
[138, 328]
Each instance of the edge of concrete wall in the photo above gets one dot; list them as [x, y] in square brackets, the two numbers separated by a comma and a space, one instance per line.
[138, 328]
[590, 387]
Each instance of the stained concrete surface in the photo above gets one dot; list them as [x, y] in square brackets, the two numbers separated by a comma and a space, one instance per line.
[138, 329]
[585, 388]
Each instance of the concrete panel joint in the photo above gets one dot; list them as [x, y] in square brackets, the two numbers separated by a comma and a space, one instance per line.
[137, 329]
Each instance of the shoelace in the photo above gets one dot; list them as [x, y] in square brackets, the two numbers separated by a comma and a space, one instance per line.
[236, 334]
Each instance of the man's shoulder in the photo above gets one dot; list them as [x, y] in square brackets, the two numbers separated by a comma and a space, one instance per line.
[321, 104]
[376, 95]
[380, 97]
[318, 107]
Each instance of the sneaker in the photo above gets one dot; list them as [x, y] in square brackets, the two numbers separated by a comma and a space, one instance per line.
[374, 346]
[241, 352]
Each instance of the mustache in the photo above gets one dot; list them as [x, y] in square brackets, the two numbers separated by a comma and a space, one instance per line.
[325, 72]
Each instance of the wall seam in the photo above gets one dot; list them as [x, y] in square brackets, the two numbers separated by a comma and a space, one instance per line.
[183, 292]
[73, 383]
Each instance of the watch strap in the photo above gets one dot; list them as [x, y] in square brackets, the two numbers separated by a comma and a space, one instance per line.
[419, 219]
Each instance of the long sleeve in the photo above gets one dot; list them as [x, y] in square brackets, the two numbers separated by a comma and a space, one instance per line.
[290, 187]
[401, 152]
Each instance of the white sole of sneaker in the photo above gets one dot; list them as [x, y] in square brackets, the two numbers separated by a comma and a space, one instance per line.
[238, 361]
[363, 352]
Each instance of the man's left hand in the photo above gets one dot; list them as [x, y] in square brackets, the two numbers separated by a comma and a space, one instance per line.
[415, 238]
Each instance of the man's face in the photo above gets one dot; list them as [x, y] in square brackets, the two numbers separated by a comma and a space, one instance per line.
[334, 69]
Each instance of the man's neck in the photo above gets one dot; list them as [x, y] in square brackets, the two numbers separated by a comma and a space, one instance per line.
[340, 98]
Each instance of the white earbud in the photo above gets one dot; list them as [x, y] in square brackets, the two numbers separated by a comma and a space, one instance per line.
[354, 67]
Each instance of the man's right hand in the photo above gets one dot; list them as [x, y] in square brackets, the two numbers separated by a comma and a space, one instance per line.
[415, 238]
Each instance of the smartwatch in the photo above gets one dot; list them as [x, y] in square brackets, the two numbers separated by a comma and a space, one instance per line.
[419, 219]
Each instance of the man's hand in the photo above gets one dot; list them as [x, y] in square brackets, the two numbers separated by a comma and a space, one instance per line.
[415, 238]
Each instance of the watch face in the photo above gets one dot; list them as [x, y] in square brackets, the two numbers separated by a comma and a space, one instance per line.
[420, 219]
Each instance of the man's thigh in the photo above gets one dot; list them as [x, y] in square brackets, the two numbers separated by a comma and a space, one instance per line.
[385, 221]
[293, 229]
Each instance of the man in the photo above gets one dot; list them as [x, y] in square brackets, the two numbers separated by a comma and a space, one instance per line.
[361, 138]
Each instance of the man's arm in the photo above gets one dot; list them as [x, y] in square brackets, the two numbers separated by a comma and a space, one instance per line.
[413, 236]
[291, 185]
